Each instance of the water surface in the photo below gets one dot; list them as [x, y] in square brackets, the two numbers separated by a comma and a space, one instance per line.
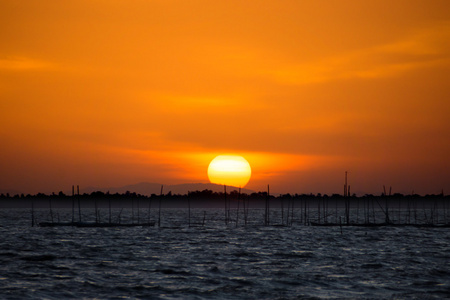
[216, 261]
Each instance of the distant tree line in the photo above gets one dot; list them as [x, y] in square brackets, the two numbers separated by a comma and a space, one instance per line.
[211, 195]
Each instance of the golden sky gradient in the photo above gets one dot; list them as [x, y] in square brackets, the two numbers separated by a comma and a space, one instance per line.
[110, 93]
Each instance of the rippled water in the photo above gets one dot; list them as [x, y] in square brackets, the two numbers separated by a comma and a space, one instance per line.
[220, 262]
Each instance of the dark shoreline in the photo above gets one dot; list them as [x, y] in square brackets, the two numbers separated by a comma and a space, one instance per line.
[210, 199]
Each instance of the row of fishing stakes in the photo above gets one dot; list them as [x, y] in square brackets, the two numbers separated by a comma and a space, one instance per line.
[245, 204]
[408, 211]
[227, 208]
[97, 223]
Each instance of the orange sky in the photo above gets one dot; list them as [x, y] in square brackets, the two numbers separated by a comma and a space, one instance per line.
[110, 93]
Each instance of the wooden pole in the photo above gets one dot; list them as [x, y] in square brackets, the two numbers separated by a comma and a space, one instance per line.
[189, 210]
[50, 204]
[373, 212]
[245, 212]
[345, 185]
[265, 212]
[109, 204]
[357, 210]
[237, 213]
[132, 210]
[288, 211]
[248, 207]
[159, 212]
[149, 207]
[292, 211]
[318, 211]
[387, 210]
[32, 213]
[73, 204]
[226, 204]
[79, 204]
[336, 209]
[96, 212]
[268, 205]
[305, 216]
[365, 211]
[138, 211]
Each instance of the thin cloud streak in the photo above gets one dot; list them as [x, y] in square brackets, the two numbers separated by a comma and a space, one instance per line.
[425, 48]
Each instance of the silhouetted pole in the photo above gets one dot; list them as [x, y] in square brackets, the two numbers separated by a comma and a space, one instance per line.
[268, 206]
[292, 211]
[373, 211]
[346, 200]
[308, 211]
[109, 204]
[364, 211]
[336, 210]
[138, 209]
[357, 210]
[348, 196]
[288, 211]
[149, 207]
[318, 211]
[445, 206]
[229, 208]
[189, 210]
[306, 214]
[50, 204]
[79, 205]
[383, 210]
[96, 211]
[73, 204]
[32, 213]
[247, 208]
[345, 185]
[132, 210]
[265, 211]
[159, 212]
[226, 204]
[387, 204]
[245, 212]
[237, 214]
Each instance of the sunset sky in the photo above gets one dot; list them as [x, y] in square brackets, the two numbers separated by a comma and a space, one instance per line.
[110, 93]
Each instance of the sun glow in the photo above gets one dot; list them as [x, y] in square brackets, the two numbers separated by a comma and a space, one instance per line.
[232, 170]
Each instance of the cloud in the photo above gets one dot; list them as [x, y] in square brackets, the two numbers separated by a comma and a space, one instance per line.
[18, 63]
[427, 47]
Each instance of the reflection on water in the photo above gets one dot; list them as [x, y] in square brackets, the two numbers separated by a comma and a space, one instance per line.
[218, 261]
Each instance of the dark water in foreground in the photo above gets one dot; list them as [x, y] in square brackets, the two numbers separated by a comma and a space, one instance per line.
[220, 262]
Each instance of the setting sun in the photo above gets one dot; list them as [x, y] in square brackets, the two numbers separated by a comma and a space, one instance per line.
[232, 170]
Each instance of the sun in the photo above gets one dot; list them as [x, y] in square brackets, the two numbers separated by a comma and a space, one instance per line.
[231, 170]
